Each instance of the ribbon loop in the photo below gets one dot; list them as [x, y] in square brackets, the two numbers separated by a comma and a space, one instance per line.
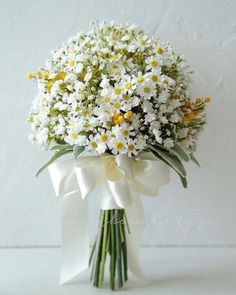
[120, 181]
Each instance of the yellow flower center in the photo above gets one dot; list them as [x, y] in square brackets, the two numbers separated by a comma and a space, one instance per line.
[160, 51]
[86, 125]
[107, 99]
[104, 138]
[116, 105]
[125, 64]
[128, 86]
[130, 147]
[125, 132]
[146, 89]
[71, 63]
[73, 135]
[140, 79]
[117, 73]
[154, 78]
[142, 42]
[153, 63]
[93, 144]
[85, 113]
[118, 145]
[117, 91]
[77, 109]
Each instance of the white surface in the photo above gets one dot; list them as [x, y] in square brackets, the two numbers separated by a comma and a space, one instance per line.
[170, 271]
[205, 32]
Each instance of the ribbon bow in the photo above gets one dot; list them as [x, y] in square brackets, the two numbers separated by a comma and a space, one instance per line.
[119, 181]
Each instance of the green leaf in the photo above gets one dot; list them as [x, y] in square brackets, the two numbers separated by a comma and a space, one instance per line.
[160, 146]
[78, 150]
[177, 149]
[195, 160]
[53, 158]
[169, 158]
[61, 147]
[184, 181]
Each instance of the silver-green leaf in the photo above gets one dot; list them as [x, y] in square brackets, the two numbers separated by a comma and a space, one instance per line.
[195, 160]
[77, 150]
[61, 147]
[179, 151]
[53, 158]
[169, 158]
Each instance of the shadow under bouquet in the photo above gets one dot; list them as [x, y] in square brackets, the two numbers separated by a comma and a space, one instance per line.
[117, 102]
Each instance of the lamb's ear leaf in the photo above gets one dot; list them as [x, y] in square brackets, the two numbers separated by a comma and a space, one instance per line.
[195, 160]
[53, 158]
[169, 158]
[177, 149]
[184, 181]
[77, 150]
[61, 147]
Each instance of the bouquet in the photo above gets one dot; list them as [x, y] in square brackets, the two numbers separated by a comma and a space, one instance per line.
[117, 102]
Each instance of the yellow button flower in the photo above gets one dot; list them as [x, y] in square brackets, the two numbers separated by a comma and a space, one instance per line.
[29, 76]
[128, 115]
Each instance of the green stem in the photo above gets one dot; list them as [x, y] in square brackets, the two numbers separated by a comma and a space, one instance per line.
[113, 253]
[118, 248]
[110, 240]
[98, 254]
[104, 245]
[124, 249]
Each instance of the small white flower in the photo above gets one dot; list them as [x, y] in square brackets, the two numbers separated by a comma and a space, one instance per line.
[146, 90]
[168, 143]
[153, 62]
[147, 106]
[110, 90]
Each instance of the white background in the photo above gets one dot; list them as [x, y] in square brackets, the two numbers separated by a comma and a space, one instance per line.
[205, 31]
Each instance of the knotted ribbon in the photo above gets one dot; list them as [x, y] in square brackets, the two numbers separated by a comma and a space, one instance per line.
[119, 181]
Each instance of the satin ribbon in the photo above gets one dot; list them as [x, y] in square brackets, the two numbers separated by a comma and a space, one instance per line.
[119, 181]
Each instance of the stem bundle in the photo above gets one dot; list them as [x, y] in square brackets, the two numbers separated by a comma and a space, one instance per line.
[110, 240]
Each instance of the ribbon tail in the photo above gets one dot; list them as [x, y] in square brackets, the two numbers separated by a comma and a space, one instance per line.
[136, 218]
[75, 237]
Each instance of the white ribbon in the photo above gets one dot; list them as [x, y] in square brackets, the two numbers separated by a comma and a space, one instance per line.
[120, 181]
